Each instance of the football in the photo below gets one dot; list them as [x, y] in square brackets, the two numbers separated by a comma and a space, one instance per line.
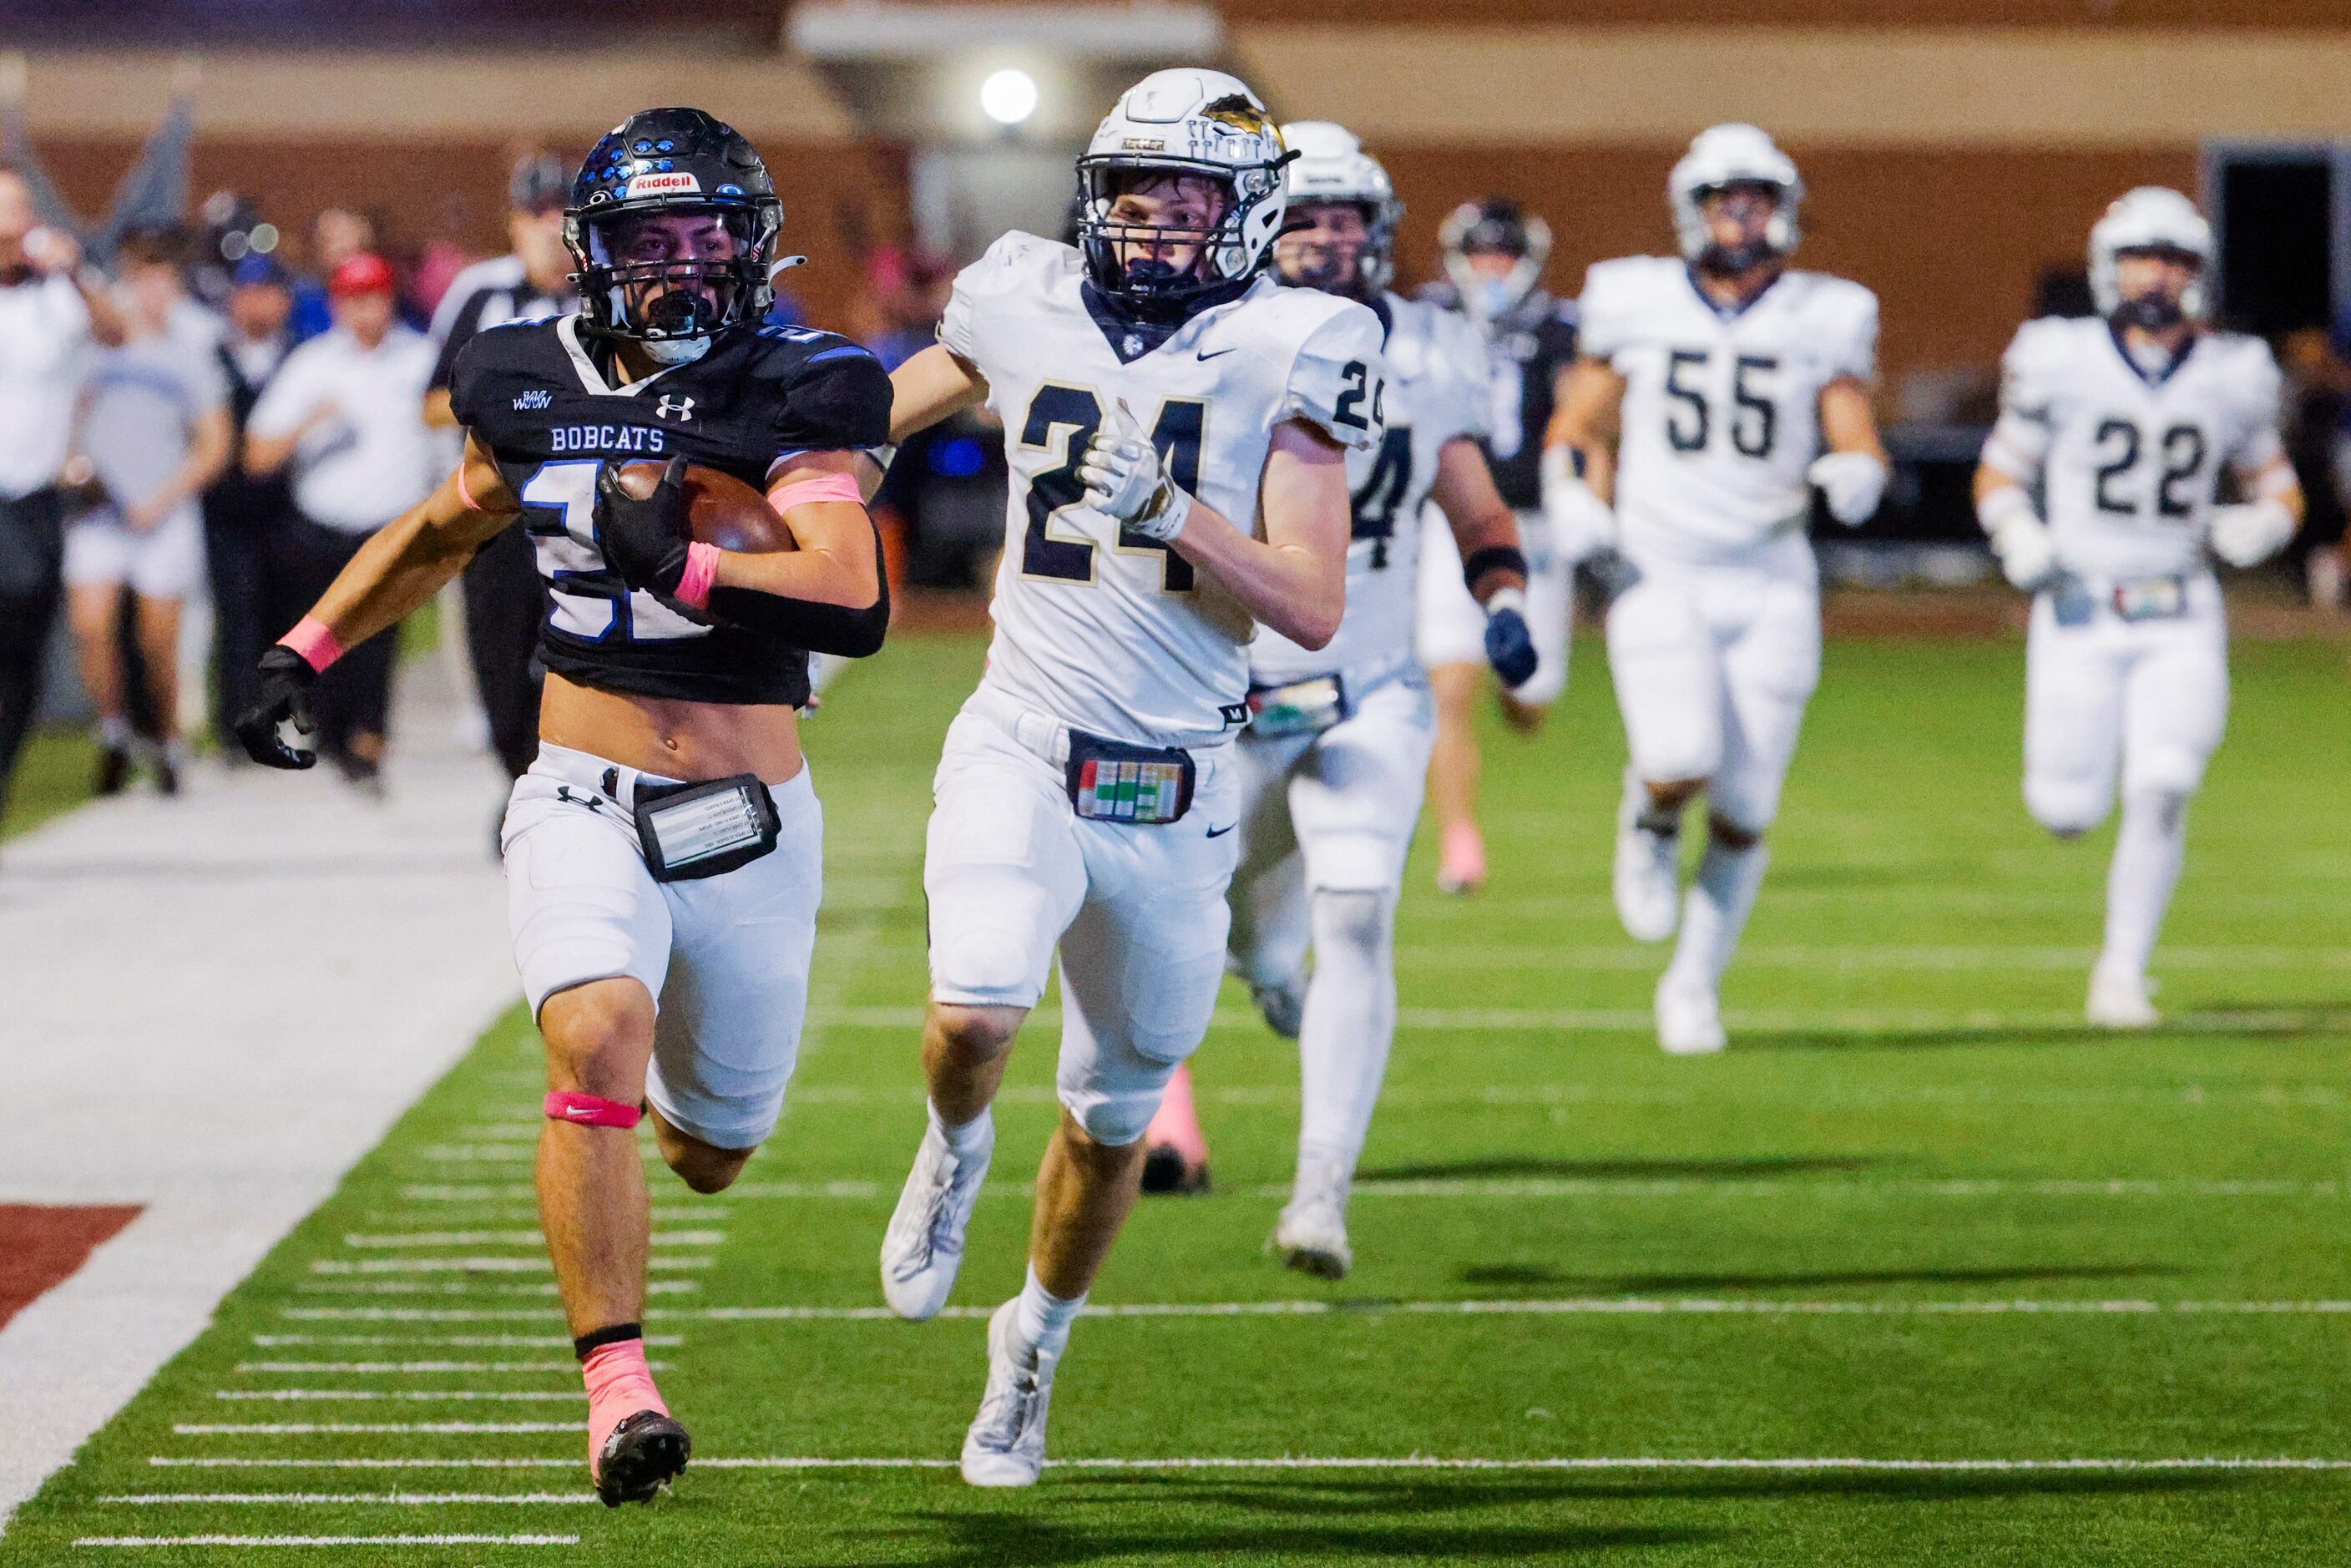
[720, 509]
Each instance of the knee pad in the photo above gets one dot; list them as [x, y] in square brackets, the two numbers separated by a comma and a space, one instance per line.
[2065, 806]
[1115, 1094]
[2167, 809]
[1362, 921]
[2177, 771]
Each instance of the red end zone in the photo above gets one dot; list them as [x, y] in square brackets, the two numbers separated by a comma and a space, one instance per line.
[41, 1246]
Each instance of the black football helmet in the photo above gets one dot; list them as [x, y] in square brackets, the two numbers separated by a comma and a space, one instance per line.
[672, 160]
[1495, 226]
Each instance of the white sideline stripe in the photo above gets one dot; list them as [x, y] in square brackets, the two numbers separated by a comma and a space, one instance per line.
[471, 1265]
[296, 1428]
[516, 1239]
[411, 1368]
[1628, 1306]
[315, 1499]
[425, 1396]
[184, 1461]
[327, 1541]
[466, 1288]
[464, 1340]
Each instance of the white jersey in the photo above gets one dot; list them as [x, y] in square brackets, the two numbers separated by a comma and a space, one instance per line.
[2128, 458]
[1437, 389]
[1105, 631]
[1722, 412]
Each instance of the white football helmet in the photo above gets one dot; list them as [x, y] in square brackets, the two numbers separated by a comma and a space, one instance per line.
[1188, 120]
[1495, 226]
[1330, 165]
[1734, 156]
[2152, 217]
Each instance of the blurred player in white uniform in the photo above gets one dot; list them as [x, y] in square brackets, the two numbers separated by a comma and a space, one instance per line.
[2122, 423]
[1494, 254]
[1176, 425]
[1332, 763]
[1715, 389]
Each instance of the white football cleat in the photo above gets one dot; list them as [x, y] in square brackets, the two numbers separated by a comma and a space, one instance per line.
[1006, 1444]
[2120, 1001]
[1648, 876]
[1311, 1234]
[923, 1248]
[1690, 1017]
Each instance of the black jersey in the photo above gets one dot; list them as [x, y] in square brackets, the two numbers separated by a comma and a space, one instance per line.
[532, 394]
[1531, 347]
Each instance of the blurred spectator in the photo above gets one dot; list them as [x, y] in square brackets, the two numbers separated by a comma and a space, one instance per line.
[504, 600]
[154, 428]
[347, 411]
[51, 310]
[337, 235]
[245, 517]
[2324, 371]
[910, 296]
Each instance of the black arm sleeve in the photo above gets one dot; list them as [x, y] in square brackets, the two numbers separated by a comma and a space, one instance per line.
[819, 628]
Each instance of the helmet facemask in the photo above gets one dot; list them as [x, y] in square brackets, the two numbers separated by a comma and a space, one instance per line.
[2163, 299]
[1494, 256]
[1158, 235]
[1765, 219]
[1343, 247]
[672, 277]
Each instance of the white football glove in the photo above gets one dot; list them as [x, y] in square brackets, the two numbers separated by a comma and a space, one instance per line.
[2026, 548]
[1125, 480]
[1853, 483]
[1582, 526]
[2249, 535]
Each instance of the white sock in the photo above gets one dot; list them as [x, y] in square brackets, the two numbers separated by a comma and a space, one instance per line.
[1350, 1010]
[1042, 1317]
[1715, 911]
[975, 1133]
[114, 731]
[2148, 848]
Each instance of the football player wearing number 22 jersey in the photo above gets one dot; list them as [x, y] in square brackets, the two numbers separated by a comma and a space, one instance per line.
[1176, 424]
[2123, 421]
[1706, 390]
[663, 852]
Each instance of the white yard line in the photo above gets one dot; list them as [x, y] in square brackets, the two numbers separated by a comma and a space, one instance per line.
[187, 1462]
[327, 1541]
[2252, 1462]
[1570, 958]
[513, 1238]
[413, 1395]
[321, 1498]
[466, 1287]
[304, 1428]
[474, 1265]
[1640, 1021]
[1600, 1306]
[227, 1107]
[417, 1368]
[469, 1340]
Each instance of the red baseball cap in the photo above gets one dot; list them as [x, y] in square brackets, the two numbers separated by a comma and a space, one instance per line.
[365, 273]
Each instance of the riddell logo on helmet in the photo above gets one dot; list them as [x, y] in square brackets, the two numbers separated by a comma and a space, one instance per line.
[661, 184]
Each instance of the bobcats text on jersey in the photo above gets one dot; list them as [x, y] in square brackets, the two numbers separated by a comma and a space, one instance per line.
[533, 395]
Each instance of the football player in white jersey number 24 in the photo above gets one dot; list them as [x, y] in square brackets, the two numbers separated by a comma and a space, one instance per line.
[1713, 391]
[1333, 761]
[2123, 421]
[1176, 426]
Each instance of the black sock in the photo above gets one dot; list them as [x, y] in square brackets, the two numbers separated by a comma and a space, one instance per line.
[587, 1345]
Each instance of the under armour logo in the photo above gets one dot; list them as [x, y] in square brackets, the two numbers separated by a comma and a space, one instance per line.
[672, 406]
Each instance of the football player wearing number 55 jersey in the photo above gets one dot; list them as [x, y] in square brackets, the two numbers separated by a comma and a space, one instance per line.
[665, 851]
[1176, 424]
[1708, 390]
[2123, 422]
[1331, 765]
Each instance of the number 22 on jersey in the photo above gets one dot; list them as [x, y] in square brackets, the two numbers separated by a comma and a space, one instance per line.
[1060, 556]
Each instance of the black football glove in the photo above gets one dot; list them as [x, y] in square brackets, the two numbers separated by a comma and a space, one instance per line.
[644, 542]
[1510, 645]
[272, 728]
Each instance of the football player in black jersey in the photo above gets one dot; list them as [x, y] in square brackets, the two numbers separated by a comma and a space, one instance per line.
[663, 852]
[1494, 254]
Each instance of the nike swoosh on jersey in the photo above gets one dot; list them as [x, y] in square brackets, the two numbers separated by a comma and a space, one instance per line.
[1220, 353]
[1220, 833]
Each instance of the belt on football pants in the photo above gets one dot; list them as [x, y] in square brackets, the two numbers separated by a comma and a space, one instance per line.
[586, 771]
[1040, 734]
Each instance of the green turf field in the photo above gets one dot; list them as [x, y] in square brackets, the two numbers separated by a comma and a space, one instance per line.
[1916, 1214]
[52, 776]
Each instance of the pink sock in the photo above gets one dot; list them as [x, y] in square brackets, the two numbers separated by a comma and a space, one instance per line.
[620, 1385]
[1177, 1124]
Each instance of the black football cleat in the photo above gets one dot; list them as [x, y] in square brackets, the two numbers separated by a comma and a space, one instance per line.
[113, 770]
[646, 1452]
[1165, 1171]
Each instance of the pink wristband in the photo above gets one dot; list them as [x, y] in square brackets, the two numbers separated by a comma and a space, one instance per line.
[312, 640]
[587, 1110]
[701, 574]
[825, 487]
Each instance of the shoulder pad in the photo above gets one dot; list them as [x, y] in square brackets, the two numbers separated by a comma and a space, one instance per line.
[509, 348]
[832, 394]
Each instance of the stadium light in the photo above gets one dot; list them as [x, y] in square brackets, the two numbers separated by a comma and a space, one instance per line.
[1008, 96]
